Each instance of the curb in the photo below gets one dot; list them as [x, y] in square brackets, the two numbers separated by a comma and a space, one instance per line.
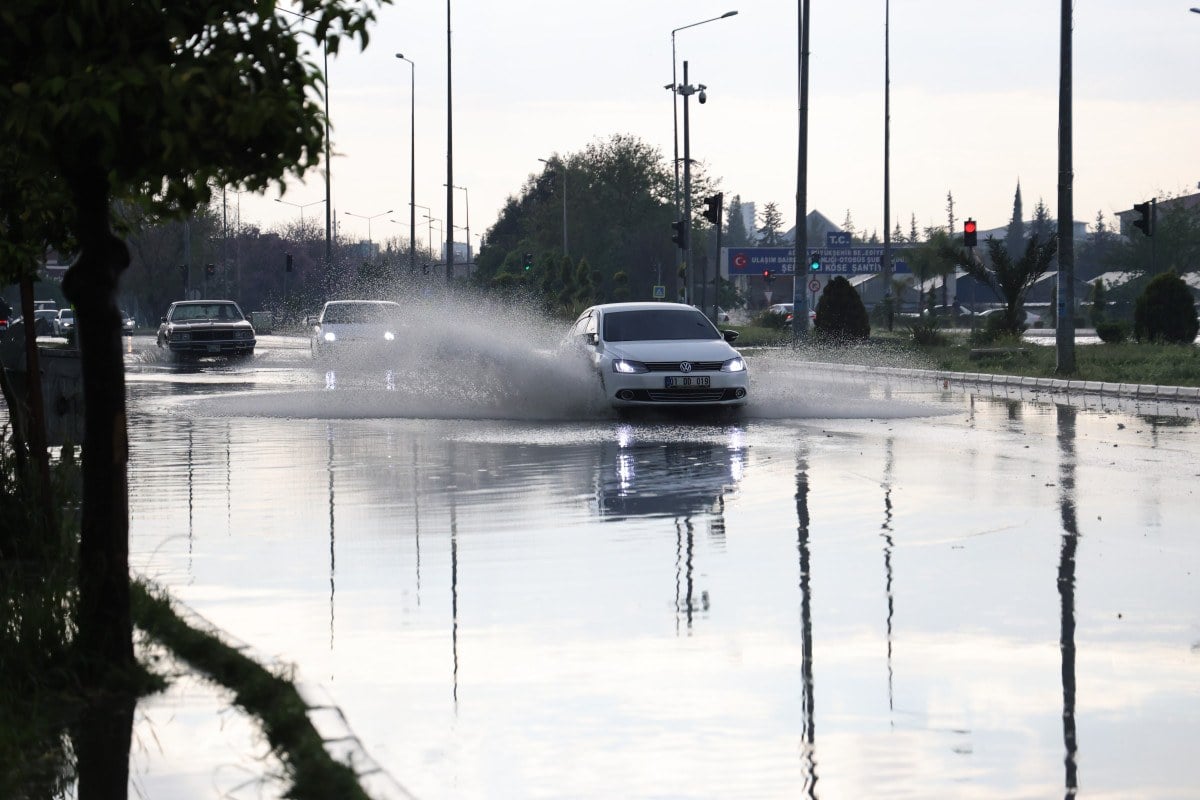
[1123, 391]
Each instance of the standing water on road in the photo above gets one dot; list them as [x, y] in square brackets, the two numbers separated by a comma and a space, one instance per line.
[851, 589]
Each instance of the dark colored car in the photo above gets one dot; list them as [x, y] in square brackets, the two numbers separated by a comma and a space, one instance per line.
[206, 328]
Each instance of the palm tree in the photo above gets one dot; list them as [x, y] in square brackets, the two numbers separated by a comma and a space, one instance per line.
[1012, 279]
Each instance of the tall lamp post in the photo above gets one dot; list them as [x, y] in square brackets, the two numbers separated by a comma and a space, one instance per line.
[467, 227]
[674, 104]
[300, 206]
[441, 232]
[412, 158]
[563, 167]
[687, 90]
[368, 219]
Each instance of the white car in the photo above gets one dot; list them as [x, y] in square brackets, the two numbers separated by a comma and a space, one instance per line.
[364, 326]
[64, 322]
[660, 354]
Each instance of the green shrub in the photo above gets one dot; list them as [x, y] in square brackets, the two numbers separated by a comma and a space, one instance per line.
[841, 313]
[926, 333]
[1114, 332]
[1166, 312]
[769, 319]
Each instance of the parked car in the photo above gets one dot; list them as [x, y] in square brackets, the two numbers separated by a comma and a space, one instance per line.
[64, 322]
[362, 326]
[7, 316]
[660, 354]
[206, 328]
[127, 323]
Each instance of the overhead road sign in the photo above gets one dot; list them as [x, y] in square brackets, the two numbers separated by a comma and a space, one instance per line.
[838, 260]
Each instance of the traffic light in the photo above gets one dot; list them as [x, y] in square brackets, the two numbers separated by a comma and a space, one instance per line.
[1145, 219]
[712, 208]
[814, 265]
[970, 233]
[768, 276]
[210, 270]
[528, 261]
[287, 262]
[679, 237]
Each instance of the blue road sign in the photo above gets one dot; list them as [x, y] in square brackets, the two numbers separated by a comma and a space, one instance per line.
[837, 260]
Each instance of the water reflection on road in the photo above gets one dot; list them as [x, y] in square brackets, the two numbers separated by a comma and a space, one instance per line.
[976, 597]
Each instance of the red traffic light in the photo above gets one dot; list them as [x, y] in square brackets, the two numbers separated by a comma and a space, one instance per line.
[969, 227]
[766, 273]
[970, 235]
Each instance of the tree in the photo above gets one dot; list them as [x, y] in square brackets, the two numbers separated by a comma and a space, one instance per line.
[848, 224]
[950, 211]
[1011, 279]
[1043, 223]
[770, 232]
[1014, 237]
[735, 225]
[1166, 312]
[128, 99]
[936, 256]
[841, 313]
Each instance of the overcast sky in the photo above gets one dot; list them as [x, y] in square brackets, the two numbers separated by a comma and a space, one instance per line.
[974, 105]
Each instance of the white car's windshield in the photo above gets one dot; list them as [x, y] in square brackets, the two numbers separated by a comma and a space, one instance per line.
[652, 325]
[359, 313]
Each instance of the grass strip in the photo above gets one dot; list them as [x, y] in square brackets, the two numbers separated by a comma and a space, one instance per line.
[1130, 362]
[314, 774]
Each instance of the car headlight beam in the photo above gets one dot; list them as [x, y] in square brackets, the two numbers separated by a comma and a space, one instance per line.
[735, 364]
[329, 336]
[627, 366]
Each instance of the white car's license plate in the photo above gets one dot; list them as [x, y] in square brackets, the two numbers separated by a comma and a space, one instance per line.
[214, 348]
[686, 381]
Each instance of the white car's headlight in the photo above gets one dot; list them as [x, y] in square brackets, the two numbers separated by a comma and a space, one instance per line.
[388, 336]
[734, 365]
[628, 367]
[329, 336]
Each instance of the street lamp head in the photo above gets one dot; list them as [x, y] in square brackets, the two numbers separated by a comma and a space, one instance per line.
[729, 14]
[703, 97]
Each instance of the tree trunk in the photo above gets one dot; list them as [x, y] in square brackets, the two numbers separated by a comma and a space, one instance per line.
[36, 431]
[105, 627]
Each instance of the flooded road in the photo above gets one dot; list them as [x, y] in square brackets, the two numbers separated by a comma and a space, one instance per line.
[856, 588]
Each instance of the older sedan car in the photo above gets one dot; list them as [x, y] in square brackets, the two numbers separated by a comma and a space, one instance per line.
[206, 328]
[655, 354]
[362, 326]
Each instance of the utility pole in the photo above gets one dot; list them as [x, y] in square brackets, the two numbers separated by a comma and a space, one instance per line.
[799, 297]
[1064, 330]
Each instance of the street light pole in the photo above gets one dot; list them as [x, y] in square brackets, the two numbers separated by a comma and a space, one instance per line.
[467, 228]
[449, 152]
[412, 168]
[441, 231]
[675, 105]
[799, 297]
[688, 90]
[300, 206]
[368, 219]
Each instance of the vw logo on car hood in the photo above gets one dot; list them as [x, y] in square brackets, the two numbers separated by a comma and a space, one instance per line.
[685, 366]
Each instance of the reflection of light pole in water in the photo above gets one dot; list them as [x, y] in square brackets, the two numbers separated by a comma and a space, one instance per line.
[684, 562]
[329, 462]
[889, 544]
[809, 735]
[417, 520]
[453, 573]
[1066, 591]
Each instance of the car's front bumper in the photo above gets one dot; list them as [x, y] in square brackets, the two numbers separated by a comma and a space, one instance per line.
[212, 347]
[649, 389]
